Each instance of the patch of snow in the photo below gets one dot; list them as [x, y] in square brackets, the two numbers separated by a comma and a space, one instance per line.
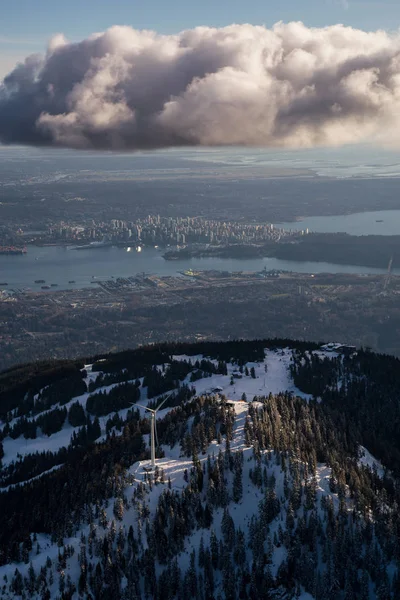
[272, 376]
[276, 379]
[367, 460]
[13, 449]
[9, 487]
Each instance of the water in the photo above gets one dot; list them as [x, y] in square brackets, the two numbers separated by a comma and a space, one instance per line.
[60, 265]
[384, 222]
[346, 162]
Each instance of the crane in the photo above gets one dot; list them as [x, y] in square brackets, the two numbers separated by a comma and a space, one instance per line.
[389, 273]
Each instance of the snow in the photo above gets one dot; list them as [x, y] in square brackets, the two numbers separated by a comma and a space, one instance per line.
[193, 359]
[275, 380]
[47, 550]
[367, 460]
[13, 449]
[174, 467]
[9, 487]
[322, 476]
[272, 376]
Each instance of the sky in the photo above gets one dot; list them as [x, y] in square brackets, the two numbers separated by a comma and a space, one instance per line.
[300, 81]
[26, 26]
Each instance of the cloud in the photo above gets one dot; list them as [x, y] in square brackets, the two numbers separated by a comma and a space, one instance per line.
[289, 86]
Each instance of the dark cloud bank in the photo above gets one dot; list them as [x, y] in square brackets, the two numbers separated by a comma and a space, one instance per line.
[289, 86]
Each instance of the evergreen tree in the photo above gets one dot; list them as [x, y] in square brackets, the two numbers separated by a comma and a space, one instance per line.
[76, 415]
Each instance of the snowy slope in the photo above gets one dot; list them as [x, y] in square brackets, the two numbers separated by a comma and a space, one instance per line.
[273, 380]
[367, 460]
[174, 466]
[138, 504]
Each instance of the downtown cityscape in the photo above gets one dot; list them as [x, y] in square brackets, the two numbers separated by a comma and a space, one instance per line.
[152, 230]
[200, 300]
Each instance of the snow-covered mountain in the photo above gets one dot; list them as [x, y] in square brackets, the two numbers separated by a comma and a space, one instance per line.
[264, 487]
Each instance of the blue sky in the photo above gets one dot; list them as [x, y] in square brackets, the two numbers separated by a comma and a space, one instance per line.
[26, 25]
[32, 21]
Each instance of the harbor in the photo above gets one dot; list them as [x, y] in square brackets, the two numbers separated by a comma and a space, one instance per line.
[70, 270]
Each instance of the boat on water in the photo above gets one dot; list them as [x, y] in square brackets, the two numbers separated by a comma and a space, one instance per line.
[12, 250]
[72, 281]
[45, 287]
[103, 244]
[54, 285]
[3, 283]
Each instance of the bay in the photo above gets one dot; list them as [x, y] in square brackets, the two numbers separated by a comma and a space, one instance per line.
[384, 222]
[59, 265]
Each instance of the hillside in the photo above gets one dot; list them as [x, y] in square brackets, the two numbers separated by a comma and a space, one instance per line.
[342, 249]
[338, 248]
[277, 474]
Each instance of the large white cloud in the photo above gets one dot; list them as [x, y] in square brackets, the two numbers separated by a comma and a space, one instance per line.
[240, 85]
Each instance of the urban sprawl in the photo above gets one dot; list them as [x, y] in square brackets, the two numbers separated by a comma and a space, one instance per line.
[153, 229]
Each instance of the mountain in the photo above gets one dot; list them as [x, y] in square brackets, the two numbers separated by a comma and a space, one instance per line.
[276, 474]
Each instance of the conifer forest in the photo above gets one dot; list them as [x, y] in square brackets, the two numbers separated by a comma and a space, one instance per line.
[277, 474]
